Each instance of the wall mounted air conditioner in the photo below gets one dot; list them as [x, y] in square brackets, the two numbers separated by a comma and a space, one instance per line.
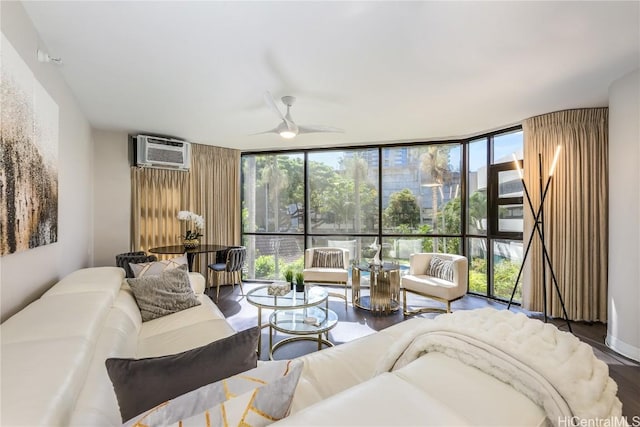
[166, 153]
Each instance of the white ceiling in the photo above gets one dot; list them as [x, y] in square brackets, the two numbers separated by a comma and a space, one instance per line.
[383, 71]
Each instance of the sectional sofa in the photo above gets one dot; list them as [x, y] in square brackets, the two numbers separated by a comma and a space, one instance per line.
[445, 371]
[54, 350]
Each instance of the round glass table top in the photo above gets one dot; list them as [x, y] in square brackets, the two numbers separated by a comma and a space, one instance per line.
[312, 295]
[387, 266]
[304, 321]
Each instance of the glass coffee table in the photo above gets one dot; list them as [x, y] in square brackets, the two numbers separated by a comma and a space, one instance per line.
[311, 297]
[306, 324]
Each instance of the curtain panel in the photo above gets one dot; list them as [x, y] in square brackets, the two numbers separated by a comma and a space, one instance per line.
[156, 197]
[575, 212]
[215, 194]
[211, 189]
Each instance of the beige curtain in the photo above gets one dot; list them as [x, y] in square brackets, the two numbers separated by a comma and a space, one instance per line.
[156, 197]
[211, 188]
[215, 184]
[575, 212]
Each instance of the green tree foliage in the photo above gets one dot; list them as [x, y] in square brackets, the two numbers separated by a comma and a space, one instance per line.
[265, 267]
[403, 210]
[478, 276]
[477, 211]
[322, 178]
[449, 220]
[505, 273]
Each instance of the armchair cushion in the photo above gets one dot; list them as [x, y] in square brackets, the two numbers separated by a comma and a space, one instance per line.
[434, 286]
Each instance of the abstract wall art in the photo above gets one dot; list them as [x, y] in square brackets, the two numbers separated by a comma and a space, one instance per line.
[28, 157]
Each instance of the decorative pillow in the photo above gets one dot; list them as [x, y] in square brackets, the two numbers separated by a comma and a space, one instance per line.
[163, 294]
[255, 398]
[327, 258]
[141, 384]
[441, 268]
[157, 267]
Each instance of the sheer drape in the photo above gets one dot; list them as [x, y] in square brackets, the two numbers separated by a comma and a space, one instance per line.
[211, 189]
[575, 212]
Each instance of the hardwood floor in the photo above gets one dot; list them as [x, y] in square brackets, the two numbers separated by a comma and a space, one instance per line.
[354, 323]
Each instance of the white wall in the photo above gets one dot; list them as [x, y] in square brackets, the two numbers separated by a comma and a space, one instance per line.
[25, 275]
[623, 330]
[111, 197]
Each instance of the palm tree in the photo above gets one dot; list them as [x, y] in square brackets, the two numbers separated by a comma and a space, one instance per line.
[356, 167]
[434, 163]
[275, 179]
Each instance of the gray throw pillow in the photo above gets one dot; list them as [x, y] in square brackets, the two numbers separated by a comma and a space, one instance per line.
[142, 384]
[440, 268]
[163, 294]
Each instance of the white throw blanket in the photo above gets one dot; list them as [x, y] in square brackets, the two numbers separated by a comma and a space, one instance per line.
[553, 368]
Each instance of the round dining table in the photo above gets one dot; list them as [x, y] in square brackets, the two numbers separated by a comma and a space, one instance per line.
[191, 252]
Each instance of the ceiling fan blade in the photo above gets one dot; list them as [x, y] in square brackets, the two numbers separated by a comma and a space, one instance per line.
[274, 130]
[268, 99]
[318, 128]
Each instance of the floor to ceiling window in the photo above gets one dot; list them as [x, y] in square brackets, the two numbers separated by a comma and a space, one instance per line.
[494, 214]
[419, 197]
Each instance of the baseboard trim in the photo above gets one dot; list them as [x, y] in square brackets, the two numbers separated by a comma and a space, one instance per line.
[623, 348]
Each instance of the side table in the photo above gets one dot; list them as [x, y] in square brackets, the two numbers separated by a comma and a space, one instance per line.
[384, 288]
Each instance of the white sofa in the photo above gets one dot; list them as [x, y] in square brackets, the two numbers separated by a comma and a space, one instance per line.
[54, 350]
[53, 370]
[478, 367]
[339, 386]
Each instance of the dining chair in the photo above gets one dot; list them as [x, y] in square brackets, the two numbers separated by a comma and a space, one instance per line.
[123, 260]
[229, 262]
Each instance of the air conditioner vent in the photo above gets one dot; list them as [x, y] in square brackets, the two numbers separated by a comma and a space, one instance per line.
[165, 153]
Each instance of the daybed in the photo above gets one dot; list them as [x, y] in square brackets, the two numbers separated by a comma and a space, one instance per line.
[480, 367]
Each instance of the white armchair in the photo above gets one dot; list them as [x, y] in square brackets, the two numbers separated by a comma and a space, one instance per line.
[322, 266]
[418, 281]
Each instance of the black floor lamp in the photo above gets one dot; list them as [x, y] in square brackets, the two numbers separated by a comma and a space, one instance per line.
[538, 225]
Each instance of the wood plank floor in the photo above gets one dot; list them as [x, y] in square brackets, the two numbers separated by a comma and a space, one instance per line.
[354, 323]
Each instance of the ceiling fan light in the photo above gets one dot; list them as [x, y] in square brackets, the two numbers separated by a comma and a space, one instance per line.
[287, 134]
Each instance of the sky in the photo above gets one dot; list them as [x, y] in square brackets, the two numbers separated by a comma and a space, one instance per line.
[504, 146]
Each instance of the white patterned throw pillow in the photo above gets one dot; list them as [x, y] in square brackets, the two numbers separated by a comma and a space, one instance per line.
[257, 397]
[157, 267]
[441, 268]
[327, 258]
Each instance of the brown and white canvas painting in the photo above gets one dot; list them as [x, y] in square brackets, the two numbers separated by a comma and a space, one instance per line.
[28, 157]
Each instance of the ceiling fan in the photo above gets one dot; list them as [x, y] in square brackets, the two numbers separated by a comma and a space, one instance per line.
[288, 128]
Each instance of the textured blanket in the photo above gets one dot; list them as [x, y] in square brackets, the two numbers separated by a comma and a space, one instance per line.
[553, 368]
